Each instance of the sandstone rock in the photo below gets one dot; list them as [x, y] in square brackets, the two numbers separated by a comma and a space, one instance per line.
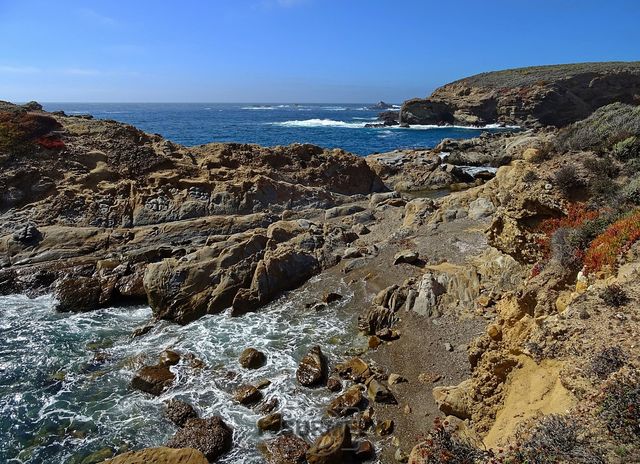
[379, 393]
[78, 294]
[354, 369]
[395, 379]
[333, 447]
[179, 412]
[247, 394]
[153, 379]
[211, 436]
[481, 208]
[456, 400]
[284, 449]
[272, 422]
[405, 256]
[313, 368]
[161, 455]
[376, 319]
[346, 404]
[400, 456]
[251, 358]
[28, 235]
[377, 198]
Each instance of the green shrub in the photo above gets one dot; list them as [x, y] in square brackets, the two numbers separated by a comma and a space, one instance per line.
[632, 167]
[567, 180]
[620, 407]
[601, 165]
[609, 360]
[603, 129]
[631, 191]
[627, 149]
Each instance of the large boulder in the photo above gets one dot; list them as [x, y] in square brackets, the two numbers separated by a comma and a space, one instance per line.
[153, 379]
[211, 436]
[161, 455]
[312, 370]
[284, 449]
[348, 403]
[179, 412]
[333, 447]
[252, 358]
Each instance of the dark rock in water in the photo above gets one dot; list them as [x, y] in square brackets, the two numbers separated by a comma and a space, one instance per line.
[180, 412]
[247, 394]
[169, 358]
[379, 393]
[346, 404]
[153, 379]
[374, 125]
[28, 235]
[78, 294]
[211, 436]
[313, 368]
[333, 447]
[389, 118]
[285, 449]
[267, 406]
[331, 297]
[272, 422]
[252, 359]
[140, 331]
[381, 106]
[334, 384]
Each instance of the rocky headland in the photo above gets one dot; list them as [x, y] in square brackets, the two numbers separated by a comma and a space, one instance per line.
[496, 278]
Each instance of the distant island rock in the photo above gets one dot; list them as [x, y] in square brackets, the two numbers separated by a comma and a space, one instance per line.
[381, 105]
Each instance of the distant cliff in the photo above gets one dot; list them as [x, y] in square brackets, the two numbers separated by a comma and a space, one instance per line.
[554, 95]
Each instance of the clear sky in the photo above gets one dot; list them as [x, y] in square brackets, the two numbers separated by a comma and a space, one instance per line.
[291, 50]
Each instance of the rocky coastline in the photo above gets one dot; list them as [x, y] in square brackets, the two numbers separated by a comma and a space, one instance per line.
[499, 275]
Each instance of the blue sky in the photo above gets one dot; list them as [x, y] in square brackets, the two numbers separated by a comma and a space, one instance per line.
[292, 50]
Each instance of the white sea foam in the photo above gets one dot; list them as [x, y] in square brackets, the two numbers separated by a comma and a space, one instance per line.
[319, 123]
[264, 107]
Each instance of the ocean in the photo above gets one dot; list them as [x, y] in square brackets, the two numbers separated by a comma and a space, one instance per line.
[337, 125]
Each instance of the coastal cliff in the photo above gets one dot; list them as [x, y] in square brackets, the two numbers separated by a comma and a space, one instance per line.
[554, 95]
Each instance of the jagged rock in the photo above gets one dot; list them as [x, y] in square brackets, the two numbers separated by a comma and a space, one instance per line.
[365, 451]
[78, 294]
[169, 358]
[379, 393]
[284, 449]
[455, 401]
[405, 256]
[272, 422]
[211, 436]
[375, 319]
[333, 447]
[252, 359]
[247, 394]
[161, 455]
[153, 379]
[346, 404]
[312, 370]
[339, 211]
[351, 252]
[334, 384]
[179, 412]
[28, 235]
[354, 369]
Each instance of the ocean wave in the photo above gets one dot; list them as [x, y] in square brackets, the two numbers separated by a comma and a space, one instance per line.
[372, 118]
[334, 108]
[264, 107]
[319, 123]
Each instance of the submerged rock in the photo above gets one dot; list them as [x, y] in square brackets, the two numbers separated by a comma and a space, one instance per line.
[211, 436]
[247, 394]
[284, 449]
[313, 368]
[272, 422]
[153, 379]
[161, 455]
[252, 359]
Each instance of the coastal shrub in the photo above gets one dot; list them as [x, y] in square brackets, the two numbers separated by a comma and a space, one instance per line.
[599, 166]
[614, 295]
[632, 167]
[619, 407]
[627, 149]
[567, 180]
[631, 191]
[545, 152]
[616, 239]
[576, 217]
[442, 446]
[603, 188]
[609, 360]
[602, 130]
[563, 248]
[553, 439]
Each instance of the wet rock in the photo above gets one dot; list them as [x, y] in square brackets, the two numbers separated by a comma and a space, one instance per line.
[346, 404]
[179, 412]
[153, 379]
[98, 456]
[247, 394]
[333, 447]
[262, 384]
[211, 436]
[354, 369]
[313, 368]
[284, 449]
[140, 331]
[379, 393]
[161, 455]
[77, 294]
[252, 359]
[169, 358]
[272, 422]
[387, 334]
[365, 451]
[267, 406]
[331, 297]
[384, 428]
[334, 384]
[405, 256]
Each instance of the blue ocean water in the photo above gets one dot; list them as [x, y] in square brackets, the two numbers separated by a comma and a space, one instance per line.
[326, 125]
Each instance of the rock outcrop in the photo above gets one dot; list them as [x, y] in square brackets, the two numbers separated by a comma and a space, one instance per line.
[538, 96]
